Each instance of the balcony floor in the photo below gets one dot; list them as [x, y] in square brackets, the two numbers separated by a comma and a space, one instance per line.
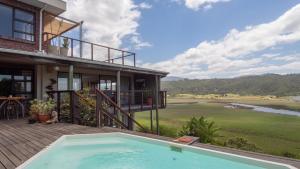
[19, 141]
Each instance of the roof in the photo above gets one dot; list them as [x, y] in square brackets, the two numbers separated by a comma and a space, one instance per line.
[53, 6]
[44, 57]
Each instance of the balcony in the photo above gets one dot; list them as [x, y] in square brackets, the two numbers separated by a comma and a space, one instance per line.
[69, 47]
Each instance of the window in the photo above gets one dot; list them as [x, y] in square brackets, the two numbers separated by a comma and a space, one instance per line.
[23, 25]
[16, 23]
[6, 15]
[16, 82]
[63, 81]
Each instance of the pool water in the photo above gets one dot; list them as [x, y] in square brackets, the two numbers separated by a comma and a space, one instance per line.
[122, 151]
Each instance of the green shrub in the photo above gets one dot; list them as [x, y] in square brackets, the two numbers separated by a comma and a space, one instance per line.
[202, 128]
[289, 154]
[241, 143]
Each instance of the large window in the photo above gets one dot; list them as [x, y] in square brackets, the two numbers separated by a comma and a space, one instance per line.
[63, 81]
[6, 15]
[16, 23]
[16, 83]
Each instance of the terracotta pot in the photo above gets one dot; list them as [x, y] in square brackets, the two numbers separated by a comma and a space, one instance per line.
[43, 118]
[64, 51]
[149, 101]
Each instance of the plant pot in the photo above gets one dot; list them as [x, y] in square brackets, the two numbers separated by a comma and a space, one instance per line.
[64, 51]
[44, 118]
[53, 50]
[149, 101]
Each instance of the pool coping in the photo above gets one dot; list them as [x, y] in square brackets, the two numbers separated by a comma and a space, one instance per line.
[60, 139]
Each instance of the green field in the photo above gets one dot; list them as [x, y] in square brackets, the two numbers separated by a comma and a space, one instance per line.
[272, 133]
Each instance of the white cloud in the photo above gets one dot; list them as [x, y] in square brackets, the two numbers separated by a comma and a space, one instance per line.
[145, 5]
[230, 56]
[107, 22]
[198, 4]
[138, 43]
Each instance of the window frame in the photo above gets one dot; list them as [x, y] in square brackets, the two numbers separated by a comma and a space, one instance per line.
[14, 19]
[67, 77]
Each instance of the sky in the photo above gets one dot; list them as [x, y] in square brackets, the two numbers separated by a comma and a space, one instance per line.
[198, 39]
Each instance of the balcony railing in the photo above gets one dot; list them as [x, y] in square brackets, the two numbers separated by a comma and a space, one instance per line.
[70, 47]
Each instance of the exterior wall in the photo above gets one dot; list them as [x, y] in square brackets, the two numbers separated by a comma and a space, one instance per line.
[11, 43]
[43, 75]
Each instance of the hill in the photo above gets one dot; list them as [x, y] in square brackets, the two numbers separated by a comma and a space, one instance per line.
[269, 84]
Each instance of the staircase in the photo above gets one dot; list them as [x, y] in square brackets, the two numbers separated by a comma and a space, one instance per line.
[99, 112]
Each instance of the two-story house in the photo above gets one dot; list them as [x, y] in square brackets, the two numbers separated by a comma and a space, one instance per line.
[36, 57]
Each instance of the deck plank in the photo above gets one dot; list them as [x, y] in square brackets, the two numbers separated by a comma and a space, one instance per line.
[19, 141]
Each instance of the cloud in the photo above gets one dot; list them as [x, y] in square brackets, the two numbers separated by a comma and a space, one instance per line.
[107, 22]
[198, 4]
[236, 53]
[145, 5]
[138, 43]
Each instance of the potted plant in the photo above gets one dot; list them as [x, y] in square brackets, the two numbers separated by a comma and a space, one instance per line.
[65, 47]
[52, 49]
[41, 110]
[34, 109]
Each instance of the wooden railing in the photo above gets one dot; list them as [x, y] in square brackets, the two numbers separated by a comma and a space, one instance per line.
[70, 47]
[107, 107]
[73, 107]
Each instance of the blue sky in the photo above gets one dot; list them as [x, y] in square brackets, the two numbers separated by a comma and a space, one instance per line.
[198, 38]
[172, 28]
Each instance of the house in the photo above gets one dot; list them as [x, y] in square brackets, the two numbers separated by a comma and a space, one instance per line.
[37, 57]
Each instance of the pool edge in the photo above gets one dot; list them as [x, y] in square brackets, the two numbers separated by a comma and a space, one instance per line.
[27, 162]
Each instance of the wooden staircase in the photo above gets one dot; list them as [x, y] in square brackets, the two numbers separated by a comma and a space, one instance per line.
[99, 112]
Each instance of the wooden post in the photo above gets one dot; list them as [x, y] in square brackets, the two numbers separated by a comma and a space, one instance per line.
[58, 106]
[99, 113]
[72, 106]
[156, 102]
[151, 120]
[70, 81]
[118, 91]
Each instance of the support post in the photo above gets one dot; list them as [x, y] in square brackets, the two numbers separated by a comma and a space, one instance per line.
[119, 88]
[99, 113]
[156, 102]
[70, 81]
[118, 96]
[80, 37]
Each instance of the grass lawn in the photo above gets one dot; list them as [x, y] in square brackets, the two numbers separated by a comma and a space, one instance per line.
[274, 134]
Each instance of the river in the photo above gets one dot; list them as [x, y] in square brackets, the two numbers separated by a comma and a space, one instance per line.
[267, 109]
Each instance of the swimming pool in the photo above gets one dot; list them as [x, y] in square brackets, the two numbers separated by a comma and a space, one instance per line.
[124, 151]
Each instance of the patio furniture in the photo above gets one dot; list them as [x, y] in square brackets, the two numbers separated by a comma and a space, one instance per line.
[12, 107]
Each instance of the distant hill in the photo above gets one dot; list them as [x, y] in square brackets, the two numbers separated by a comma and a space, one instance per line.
[172, 78]
[269, 84]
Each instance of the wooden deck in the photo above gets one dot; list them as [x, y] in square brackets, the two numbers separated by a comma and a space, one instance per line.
[19, 141]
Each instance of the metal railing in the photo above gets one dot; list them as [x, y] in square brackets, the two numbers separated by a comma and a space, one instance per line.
[70, 47]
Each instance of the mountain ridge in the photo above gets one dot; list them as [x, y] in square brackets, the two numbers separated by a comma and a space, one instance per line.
[267, 84]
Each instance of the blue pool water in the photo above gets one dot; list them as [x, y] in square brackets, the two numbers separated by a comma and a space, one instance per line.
[121, 151]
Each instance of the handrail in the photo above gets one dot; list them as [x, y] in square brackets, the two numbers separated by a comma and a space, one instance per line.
[124, 54]
[88, 42]
[106, 113]
[120, 109]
